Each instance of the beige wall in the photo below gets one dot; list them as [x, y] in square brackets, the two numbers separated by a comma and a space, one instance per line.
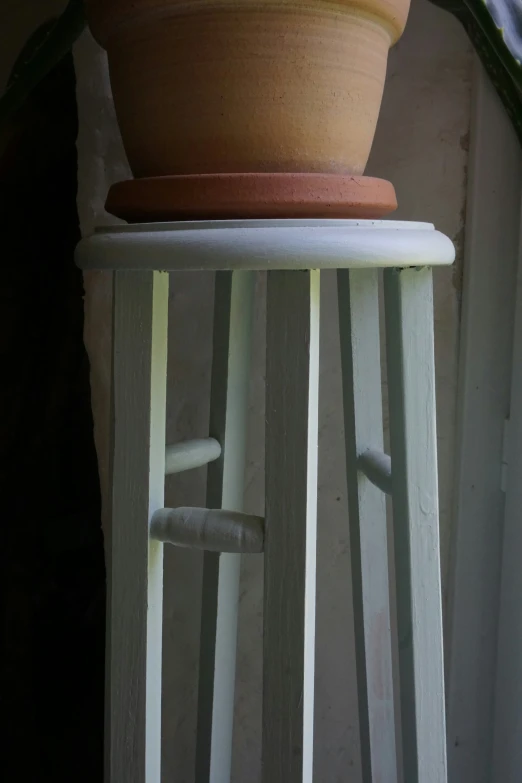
[421, 145]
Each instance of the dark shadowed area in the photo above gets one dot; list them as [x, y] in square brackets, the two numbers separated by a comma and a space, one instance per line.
[51, 547]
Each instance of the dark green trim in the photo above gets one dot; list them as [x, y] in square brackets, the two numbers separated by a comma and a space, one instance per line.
[494, 27]
[44, 50]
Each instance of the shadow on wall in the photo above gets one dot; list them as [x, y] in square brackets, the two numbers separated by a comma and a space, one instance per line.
[51, 548]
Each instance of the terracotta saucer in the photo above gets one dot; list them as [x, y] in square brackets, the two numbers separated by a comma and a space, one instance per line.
[237, 196]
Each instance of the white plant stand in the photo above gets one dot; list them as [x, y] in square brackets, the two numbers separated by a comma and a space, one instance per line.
[293, 252]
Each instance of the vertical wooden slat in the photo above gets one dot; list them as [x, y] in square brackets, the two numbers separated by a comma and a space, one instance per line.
[291, 525]
[358, 292]
[233, 309]
[411, 388]
[136, 563]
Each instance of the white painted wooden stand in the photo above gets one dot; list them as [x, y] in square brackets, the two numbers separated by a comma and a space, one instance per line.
[293, 252]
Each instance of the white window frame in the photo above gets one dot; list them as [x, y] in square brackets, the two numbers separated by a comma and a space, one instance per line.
[484, 617]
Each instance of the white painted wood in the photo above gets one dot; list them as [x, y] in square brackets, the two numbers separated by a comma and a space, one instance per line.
[360, 353]
[489, 284]
[136, 563]
[191, 454]
[213, 530]
[266, 244]
[411, 387]
[291, 526]
[233, 310]
[507, 746]
[376, 466]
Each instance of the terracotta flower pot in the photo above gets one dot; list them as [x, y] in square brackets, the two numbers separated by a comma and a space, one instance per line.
[233, 86]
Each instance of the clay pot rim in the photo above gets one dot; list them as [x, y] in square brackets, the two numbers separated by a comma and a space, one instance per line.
[107, 16]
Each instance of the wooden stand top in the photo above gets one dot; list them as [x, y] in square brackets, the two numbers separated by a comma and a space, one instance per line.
[265, 244]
